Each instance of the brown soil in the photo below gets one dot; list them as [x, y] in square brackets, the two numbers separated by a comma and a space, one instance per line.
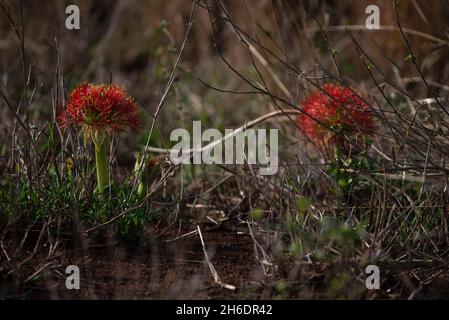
[159, 270]
[176, 269]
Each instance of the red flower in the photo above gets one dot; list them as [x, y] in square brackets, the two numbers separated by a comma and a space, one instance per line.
[100, 107]
[333, 113]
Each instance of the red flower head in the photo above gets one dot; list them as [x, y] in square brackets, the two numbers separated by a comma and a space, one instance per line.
[100, 107]
[335, 112]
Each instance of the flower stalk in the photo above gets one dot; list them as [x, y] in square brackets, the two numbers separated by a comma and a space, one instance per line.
[101, 160]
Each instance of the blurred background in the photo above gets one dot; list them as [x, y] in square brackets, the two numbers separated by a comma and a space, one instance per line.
[136, 44]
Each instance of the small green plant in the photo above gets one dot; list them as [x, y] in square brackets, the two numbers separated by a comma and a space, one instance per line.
[346, 168]
[145, 172]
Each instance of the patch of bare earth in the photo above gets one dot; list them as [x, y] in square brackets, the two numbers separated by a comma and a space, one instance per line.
[174, 268]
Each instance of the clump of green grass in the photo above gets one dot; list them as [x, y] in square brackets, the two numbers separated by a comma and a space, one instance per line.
[64, 200]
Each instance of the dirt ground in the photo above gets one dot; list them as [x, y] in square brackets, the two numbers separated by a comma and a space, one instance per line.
[163, 269]
[173, 268]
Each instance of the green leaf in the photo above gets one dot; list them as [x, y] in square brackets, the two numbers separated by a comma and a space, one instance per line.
[295, 248]
[303, 204]
[410, 57]
[257, 214]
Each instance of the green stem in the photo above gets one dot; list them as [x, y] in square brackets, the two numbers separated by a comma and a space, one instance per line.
[101, 162]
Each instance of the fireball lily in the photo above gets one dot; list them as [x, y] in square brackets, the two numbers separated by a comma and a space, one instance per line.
[332, 113]
[100, 110]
